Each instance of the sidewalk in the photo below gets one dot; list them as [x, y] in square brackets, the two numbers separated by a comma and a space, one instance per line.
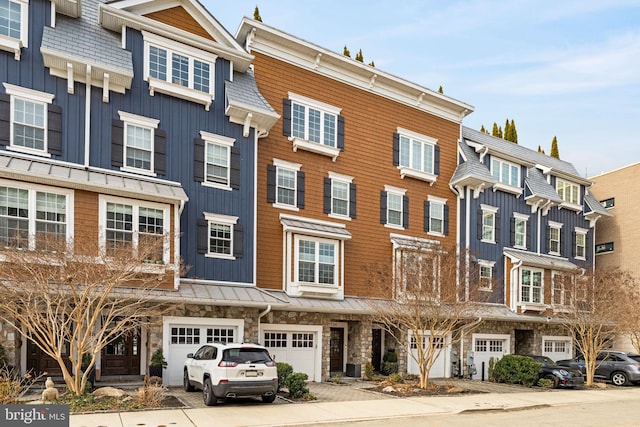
[370, 406]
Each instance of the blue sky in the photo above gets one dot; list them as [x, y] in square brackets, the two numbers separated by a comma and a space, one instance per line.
[563, 68]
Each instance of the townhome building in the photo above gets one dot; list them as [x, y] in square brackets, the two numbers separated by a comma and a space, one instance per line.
[127, 118]
[528, 220]
[356, 171]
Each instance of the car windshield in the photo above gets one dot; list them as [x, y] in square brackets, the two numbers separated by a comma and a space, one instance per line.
[246, 355]
[543, 359]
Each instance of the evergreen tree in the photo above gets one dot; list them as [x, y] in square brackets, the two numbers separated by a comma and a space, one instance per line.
[440, 89]
[372, 64]
[256, 14]
[540, 150]
[346, 52]
[507, 130]
[359, 56]
[514, 132]
[495, 131]
[554, 148]
[483, 130]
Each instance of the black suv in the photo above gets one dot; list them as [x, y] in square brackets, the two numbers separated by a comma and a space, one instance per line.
[562, 376]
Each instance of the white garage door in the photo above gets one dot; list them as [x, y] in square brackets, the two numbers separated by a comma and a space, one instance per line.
[183, 336]
[441, 366]
[299, 348]
[484, 348]
[557, 348]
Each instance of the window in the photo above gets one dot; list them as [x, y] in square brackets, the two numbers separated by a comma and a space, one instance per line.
[275, 339]
[285, 185]
[216, 161]
[14, 25]
[580, 247]
[519, 230]
[562, 289]
[394, 207]
[531, 285]
[555, 236]
[222, 335]
[568, 191]
[418, 269]
[316, 261]
[602, 248]
[486, 274]
[608, 203]
[488, 221]
[178, 70]
[139, 142]
[302, 340]
[128, 223]
[417, 156]
[220, 236]
[185, 335]
[436, 216]
[339, 196]
[34, 217]
[29, 131]
[313, 126]
[505, 172]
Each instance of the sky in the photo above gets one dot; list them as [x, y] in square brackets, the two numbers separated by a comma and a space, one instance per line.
[563, 68]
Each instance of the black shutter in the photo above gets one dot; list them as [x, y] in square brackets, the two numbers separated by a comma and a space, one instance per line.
[352, 200]
[237, 240]
[383, 207]
[405, 211]
[547, 240]
[203, 236]
[479, 225]
[271, 183]
[160, 152]
[512, 239]
[340, 141]
[198, 160]
[5, 119]
[574, 241]
[54, 131]
[446, 220]
[528, 229]
[300, 193]
[117, 143]
[286, 117]
[563, 243]
[496, 219]
[327, 196]
[426, 216]
[396, 149]
[436, 160]
[234, 172]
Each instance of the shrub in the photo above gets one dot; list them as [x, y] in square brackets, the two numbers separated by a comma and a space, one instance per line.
[545, 383]
[514, 369]
[13, 386]
[284, 370]
[151, 395]
[389, 368]
[3, 357]
[395, 378]
[296, 384]
[368, 371]
[492, 364]
[390, 356]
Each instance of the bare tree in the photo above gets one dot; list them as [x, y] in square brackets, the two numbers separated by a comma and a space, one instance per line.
[426, 308]
[629, 322]
[72, 298]
[597, 310]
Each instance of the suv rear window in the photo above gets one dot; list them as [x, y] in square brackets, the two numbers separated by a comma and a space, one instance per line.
[246, 355]
[635, 357]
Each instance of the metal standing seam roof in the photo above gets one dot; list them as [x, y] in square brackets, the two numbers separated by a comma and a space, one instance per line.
[337, 231]
[350, 305]
[540, 260]
[539, 186]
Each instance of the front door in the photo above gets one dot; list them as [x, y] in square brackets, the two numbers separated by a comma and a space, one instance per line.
[122, 355]
[40, 363]
[376, 348]
[336, 347]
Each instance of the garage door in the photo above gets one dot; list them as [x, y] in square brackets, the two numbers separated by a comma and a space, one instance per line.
[557, 348]
[299, 348]
[440, 368]
[184, 336]
[484, 348]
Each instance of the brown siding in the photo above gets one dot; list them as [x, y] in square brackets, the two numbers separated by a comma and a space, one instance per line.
[370, 122]
[179, 18]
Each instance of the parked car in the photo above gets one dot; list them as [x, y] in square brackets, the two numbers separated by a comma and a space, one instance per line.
[224, 371]
[619, 367]
[562, 376]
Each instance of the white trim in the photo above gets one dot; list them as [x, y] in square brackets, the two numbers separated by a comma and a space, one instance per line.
[436, 199]
[215, 139]
[144, 122]
[286, 165]
[137, 120]
[30, 94]
[318, 105]
[521, 216]
[488, 208]
[417, 136]
[229, 220]
[396, 190]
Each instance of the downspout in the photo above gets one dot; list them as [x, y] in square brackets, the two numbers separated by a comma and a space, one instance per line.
[512, 273]
[260, 316]
[87, 118]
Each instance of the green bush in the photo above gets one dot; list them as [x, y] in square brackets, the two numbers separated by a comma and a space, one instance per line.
[390, 356]
[514, 369]
[389, 368]
[284, 370]
[395, 379]
[545, 383]
[296, 384]
[368, 371]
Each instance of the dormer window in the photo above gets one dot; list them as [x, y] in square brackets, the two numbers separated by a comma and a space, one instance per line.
[568, 191]
[505, 172]
[14, 21]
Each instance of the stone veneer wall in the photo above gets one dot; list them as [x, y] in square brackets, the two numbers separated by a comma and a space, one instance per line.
[8, 339]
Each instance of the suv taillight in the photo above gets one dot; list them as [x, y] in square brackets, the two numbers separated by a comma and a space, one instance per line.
[270, 363]
[227, 364]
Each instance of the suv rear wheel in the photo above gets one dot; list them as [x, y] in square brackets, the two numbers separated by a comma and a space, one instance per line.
[619, 378]
[268, 399]
[210, 399]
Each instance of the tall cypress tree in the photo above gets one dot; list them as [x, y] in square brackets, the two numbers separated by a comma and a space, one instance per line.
[540, 150]
[346, 52]
[440, 89]
[483, 130]
[256, 14]
[495, 131]
[554, 148]
[359, 56]
[514, 132]
[507, 130]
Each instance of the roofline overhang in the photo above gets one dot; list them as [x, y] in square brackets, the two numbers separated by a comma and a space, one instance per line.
[72, 8]
[239, 113]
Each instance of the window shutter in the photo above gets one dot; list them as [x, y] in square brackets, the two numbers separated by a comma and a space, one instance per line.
[383, 207]
[528, 229]
[5, 119]
[513, 232]
[327, 196]
[271, 183]
[203, 236]
[446, 220]
[436, 160]
[574, 241]
[396, 149]
[54, 131]
[117, 143]
[547, 239]
[198, 160]
[496, 219]
[160, 151]
[340, 141]
[286, 117]
[405, 211]
[426, 216]
[237, 240]
[563, 242]
[352, 200]
[234, 171]
[300, 194]
[588, 246]
[479, 225]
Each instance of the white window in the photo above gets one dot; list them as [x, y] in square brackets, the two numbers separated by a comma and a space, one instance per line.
[217, 160]
[486, 274]
[531, 285]
[520, 230]
[34, 217]
[14, 21]
[505, 172]
[394, 208]
[581, 243]
[286, 183]
[436, 215]
[29, 121]
[178, 70]
[569, 192]
[488, 224]
[340, 195]
[131, 223]
[220, 235]
[316, 260]
[418, 269]
[554, 238]
[314, 121]
[562, 288]
[417, 152]
[139, 140]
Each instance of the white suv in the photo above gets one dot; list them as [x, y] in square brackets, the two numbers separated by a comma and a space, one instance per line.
[231, 370]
